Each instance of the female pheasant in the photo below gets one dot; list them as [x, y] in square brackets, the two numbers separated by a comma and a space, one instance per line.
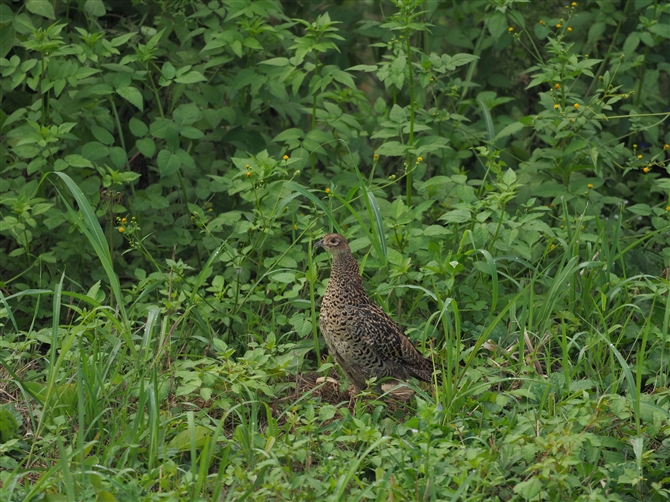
[362, 339]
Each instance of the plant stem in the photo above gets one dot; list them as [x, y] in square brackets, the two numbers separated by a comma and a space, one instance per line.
[408, 180]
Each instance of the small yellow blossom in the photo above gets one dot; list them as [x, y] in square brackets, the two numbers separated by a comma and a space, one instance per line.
[248, 174]
[646, 170]
[541, 22]
[556, 106]
[552, 246]
[574, 4]
[557, 86]
[432, 79]
[210, 210]
[296, 173]
[576, 105]
[285, 157]
[327, 190]
[133, 218]
[375, 157]
[420, 159]
[123, 220]
[634, 145]
[121, 229]
[558, 25]
[667, 208]
[569, 29]
[639, 156]
[248, 166]
[295, 227]
[510, 29]
[590, 186]
[666, 146]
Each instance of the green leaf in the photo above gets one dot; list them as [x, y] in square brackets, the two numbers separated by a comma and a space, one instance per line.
[191, 78]
[7, 38]
[285, 277]
[78, 161]
[168, 163]
[363, 67]
[392, 149]
[95, 8]
[133, 96]
[291, 134]
[508, 130]
[456, 216]
[191, 132]
[187, 114]
[138, 128]
[102, 135]
[398, 114]
[276, 62]
[41, 8]
[641, 209]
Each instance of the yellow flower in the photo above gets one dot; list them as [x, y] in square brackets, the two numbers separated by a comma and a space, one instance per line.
[558, 25]
[510, 29]
[420, 159]
[296, 173]
[552, 246]
[121, 229]
[639, 156]
[557, 86]
[375, 157]
[590, 186]
[541, 22]
[574, 4]
[576, 105]
[666, 146]
[327, 190]
[285, 157]
[634, 145]
[248, 174]
[646, 170]
[295, 227]
[556, 106]
[210, 210]
[248, 166]
[667, 208]
[123, 220]
[569, 29]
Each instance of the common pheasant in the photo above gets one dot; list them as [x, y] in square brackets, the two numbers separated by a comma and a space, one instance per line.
[362, 339]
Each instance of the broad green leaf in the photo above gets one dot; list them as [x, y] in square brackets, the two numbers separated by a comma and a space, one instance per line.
[95, 8]
[168, 163]
[138, 128]
[41, 8]
[133, 96]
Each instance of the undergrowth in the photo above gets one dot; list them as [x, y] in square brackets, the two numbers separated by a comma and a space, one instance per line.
[499, 169]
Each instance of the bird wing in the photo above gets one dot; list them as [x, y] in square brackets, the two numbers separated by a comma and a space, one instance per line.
[371, 324]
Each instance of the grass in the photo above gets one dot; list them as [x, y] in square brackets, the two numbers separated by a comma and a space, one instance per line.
[562, 394]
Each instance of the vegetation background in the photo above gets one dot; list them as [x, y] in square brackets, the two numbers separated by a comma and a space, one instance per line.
[500, 168]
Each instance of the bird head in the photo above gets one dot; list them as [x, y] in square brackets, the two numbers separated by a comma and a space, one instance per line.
[334, 244]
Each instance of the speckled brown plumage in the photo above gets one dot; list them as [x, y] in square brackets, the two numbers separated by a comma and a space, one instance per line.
[362, 339]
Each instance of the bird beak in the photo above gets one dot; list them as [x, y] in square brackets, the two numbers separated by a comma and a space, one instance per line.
[318, 244]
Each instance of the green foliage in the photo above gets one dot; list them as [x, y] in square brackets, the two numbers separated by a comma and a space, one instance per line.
[499, 168]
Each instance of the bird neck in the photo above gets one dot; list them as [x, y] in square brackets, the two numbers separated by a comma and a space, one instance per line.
[345, 273]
